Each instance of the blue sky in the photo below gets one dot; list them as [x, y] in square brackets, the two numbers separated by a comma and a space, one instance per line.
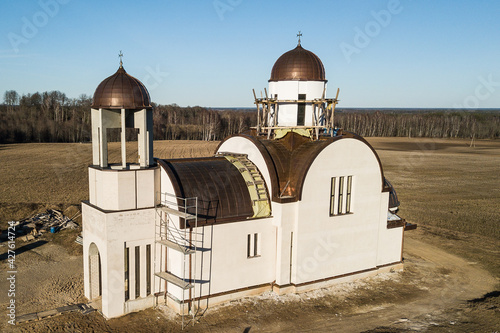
[388, 53]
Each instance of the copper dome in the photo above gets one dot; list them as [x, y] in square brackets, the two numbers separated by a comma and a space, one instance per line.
[298, 64]
[121, 91]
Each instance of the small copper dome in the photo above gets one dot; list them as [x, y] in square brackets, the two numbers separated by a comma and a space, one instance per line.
[121, 91]
[298, 64]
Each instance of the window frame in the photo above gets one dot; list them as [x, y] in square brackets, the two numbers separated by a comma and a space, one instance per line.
[341, 192]
[333, 182]
[253, 245]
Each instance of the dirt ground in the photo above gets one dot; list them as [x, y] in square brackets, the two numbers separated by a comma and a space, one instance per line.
[450, 282]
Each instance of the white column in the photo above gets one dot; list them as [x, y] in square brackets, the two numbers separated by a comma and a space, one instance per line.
[103, 142]
[95, 136]
[123, 143]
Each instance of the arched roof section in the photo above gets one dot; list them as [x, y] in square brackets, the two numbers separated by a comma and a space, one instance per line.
[288, 160]
[221, 190]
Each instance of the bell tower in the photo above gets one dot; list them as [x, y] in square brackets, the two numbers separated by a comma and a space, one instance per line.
[119, 217]
[122, 101]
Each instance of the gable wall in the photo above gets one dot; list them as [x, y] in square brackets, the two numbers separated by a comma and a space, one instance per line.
[327, 245]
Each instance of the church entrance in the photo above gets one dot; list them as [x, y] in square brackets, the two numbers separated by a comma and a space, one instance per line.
[95, 272]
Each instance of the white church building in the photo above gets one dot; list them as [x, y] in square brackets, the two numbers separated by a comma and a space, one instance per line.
[290, 206]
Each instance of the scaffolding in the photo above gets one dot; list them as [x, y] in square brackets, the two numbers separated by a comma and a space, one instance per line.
[268, 113]
[181, 237]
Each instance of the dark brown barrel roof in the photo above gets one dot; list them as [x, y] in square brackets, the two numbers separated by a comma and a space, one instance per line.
[393, 196]
[121, 91]
[221, 190]
[298, 64]
[288, 160]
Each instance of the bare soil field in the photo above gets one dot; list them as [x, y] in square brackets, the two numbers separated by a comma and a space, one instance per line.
[451, 280]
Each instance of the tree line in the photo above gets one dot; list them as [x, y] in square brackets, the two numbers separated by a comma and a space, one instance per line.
[53, 117]
[432, 124]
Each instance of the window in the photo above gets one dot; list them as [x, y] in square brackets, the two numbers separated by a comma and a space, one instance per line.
[301, 110]
[126, 258]
[137, 272]
[348, 195]
[341, 195]
[332, 197]
[148, 269]
[253, 245]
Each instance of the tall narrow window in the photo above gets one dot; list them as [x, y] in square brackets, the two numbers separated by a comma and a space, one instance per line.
[301, 111]
[255, 245]
[148, 269]
[253, 249]
[127, 281]
[137, 272]
[348, 195]
[332, 197]
[341, 195]
[249, 246]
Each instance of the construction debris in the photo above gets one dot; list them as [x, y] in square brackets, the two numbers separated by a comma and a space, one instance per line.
[50, 221]
[80, 307]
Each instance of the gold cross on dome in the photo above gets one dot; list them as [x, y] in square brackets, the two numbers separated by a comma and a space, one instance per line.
[120, 55]
[299, 35]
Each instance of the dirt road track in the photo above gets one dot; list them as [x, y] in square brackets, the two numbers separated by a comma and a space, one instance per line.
[445, 281]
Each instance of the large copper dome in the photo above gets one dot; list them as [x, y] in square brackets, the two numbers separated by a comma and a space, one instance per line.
[121, 91]
[298, 64]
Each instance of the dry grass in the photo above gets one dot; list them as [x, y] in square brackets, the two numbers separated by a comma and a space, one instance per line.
[440, 182]
[445, 183]
[451, 190]
[36, 176]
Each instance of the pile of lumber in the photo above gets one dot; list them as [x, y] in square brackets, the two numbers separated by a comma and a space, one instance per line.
[50, 220]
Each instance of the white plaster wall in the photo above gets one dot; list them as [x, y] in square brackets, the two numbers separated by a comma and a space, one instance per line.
[145, 185]
[111, 232]
[390, 241]
[285, 221]
[93, 231]
[223, 264]
[329, 246]
[290, 90]
[122, 189]
[131, 228]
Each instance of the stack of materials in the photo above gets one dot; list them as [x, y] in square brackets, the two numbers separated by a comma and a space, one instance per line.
[49, 221]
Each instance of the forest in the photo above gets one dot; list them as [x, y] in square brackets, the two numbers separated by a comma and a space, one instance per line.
[53, 117]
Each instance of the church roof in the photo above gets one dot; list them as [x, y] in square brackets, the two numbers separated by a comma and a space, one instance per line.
[221, 190]
[121, 91]
[298, 64]
[288, 160]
